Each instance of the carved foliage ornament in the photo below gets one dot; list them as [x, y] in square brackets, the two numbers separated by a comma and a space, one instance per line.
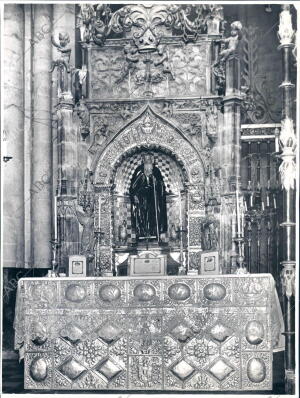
[96, 22]
[259, 101]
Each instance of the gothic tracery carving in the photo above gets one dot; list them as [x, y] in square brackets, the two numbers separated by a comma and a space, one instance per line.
[144, 132]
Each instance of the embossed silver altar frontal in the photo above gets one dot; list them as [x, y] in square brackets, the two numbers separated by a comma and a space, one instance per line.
[166, 333]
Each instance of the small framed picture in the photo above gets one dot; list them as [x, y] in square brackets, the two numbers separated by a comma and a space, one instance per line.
[209, 263]
[77, 266]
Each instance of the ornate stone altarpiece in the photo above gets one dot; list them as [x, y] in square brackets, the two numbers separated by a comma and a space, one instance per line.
[165, 333]
[157, 93]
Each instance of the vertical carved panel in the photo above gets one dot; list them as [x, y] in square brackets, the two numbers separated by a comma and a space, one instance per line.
[103, 222]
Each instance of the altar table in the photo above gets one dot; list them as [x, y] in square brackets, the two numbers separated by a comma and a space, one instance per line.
[195, 333]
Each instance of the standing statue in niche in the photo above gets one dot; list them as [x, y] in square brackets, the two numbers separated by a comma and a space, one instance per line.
[148, 200]
[86, 219]
[210, 238]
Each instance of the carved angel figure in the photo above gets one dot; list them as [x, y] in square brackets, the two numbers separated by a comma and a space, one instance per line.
[232, 42]
[164, 61]
[131, 58]
[64, 50]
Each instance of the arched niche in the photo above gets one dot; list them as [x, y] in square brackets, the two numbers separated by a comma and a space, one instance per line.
[175, 180]
[146, 130]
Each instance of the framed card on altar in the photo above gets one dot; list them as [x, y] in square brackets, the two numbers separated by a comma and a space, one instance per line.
[209, 263]
[77, 266]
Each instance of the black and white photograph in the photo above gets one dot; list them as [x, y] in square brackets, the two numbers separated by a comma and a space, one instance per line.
[149, 198]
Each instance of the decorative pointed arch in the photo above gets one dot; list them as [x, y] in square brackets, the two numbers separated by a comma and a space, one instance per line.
[148, 130]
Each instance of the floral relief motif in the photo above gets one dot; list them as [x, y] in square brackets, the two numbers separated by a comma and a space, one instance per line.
[60, 350]
[91, 382]
[60, 380]
[232, 348]
[171, 349]
[91, 351]
[200, 350]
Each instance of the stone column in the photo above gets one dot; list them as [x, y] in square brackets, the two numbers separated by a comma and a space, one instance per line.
[13, 170]
[231, 138]
[28, 50]
[231, 148]
[288, 174]
[63, 22]
[41, 191]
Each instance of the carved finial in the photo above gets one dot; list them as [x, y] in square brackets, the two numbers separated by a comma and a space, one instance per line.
[285, 32]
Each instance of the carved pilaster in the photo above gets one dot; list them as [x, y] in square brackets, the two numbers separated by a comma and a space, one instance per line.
[103, 223]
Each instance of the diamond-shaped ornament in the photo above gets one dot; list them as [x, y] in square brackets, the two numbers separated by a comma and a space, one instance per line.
[220, 369]
[109, 333]
[182, 370]
[72, 369]
[182, 333]
[220, 332]
[72, 333]
[109, 369]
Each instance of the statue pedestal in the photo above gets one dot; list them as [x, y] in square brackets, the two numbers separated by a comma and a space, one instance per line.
[147, 263]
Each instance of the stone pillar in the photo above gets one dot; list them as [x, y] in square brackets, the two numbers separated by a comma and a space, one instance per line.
[41, 190]
[13, 170]
[28, 106]
[63, 22]
[288, 174]
[231, 138]
[230, 153]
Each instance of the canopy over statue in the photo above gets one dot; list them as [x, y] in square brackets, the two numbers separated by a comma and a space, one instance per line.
[148, 200]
